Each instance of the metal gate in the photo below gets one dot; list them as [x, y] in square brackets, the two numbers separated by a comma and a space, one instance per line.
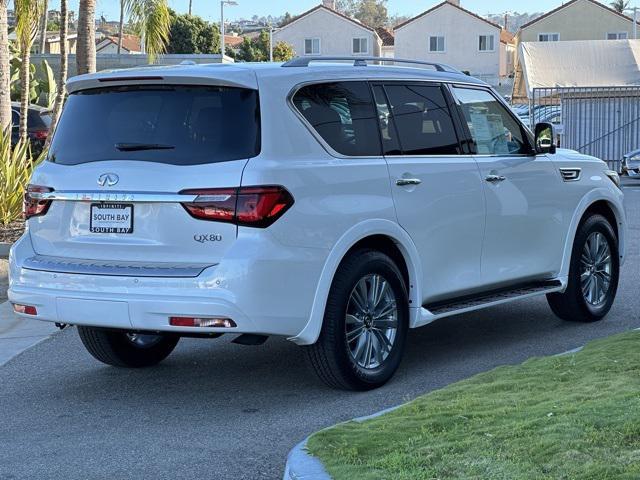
[600, 121]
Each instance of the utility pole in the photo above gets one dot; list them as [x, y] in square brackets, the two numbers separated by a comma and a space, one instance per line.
[270, 43]
[635, 21]
[190, 5]
[222, 4]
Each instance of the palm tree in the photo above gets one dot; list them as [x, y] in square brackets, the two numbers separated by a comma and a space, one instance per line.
[5, 70]
[620, 5]
[190, 5]
[86, 46]
[57, 106]
[27, 19]
[43, 30]
[151, 19]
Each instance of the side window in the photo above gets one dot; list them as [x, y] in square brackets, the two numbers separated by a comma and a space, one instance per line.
[423, 120]
[15, 119]
[343, 114]
[493, 129]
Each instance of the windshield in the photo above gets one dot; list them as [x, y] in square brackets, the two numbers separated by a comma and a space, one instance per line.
[179, 125]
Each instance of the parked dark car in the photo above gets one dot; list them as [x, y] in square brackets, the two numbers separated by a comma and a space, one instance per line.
[38, 123]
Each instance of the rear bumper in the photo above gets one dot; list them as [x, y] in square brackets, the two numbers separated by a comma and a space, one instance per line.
[270, 292]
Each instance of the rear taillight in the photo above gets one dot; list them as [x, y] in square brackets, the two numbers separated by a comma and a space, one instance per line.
[246, 206]
[39, 134]
[34, 205]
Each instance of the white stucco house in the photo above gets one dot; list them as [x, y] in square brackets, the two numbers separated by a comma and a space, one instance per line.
[448, 33]
[322, 31]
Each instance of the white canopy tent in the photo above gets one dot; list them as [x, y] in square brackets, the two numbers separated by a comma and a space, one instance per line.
[592, 63]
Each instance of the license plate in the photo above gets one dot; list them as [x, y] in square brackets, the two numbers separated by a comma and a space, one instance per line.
[111, 218]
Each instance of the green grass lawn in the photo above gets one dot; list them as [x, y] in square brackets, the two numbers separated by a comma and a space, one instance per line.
[575, 416]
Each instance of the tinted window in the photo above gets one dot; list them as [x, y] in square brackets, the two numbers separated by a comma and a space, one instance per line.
[343, 115]
[493, 129]
[15, 119]
[423, 120]
[188, 125]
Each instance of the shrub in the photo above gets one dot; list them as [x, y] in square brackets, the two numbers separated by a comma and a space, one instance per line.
[16, 166]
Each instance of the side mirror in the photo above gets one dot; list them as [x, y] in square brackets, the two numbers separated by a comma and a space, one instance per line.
[545, 136]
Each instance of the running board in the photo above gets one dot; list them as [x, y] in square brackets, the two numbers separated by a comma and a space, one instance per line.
[488, 299]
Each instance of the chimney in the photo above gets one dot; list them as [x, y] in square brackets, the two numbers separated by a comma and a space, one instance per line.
[455, 2]
[329, 4]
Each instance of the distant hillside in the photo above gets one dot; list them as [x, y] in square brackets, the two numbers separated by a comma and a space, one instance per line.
[515, 20]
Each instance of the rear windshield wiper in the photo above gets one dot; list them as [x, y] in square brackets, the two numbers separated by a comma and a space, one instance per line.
[134, 147]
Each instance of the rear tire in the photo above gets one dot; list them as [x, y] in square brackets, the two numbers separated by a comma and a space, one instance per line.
[593, 282]
[361, 348]
[120, 348]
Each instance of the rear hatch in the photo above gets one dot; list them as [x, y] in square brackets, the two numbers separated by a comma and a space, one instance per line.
[126, 161]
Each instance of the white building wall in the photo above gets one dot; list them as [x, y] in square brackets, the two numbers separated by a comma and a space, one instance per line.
[461, 32]
[336, 34]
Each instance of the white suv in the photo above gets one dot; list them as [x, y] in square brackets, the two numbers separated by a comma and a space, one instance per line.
[338, 205]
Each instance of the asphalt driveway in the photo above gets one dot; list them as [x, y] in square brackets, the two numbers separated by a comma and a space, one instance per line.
[218, 410]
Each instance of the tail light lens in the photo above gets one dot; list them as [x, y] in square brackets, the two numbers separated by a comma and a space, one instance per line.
[256, 207]
[34, 205]
[39, 134]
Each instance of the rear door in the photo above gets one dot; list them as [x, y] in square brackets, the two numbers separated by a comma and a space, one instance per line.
[436, 185]
[119, 160]
[525, 216]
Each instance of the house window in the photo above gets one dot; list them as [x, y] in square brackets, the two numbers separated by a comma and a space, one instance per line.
[487, 43]
[360, 46]
[548, 37]
[436, 44]
[312, 46]
[617, 36]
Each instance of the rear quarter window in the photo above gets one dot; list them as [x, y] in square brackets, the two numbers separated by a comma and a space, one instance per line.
[192, 125]
[343, 115]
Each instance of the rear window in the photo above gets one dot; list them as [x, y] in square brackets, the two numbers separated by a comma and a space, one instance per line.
[344, 116]
[179, 125]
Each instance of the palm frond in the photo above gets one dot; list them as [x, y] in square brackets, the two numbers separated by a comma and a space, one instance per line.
[151, 19]
[28, 13]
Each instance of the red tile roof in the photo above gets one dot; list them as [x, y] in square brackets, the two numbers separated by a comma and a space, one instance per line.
[233, 40]
[506, 36]
[442, 5]
[387, 37]
[130, 43]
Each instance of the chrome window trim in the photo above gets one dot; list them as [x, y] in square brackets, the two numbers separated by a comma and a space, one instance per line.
[335, 154]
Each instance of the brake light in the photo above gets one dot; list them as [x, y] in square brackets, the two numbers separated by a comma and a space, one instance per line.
[34, 205]
[39, 134]
[202, 322]
[256, 207]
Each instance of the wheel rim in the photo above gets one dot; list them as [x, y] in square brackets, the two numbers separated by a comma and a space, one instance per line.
[597, 265]
[142, 340]
[371, 322]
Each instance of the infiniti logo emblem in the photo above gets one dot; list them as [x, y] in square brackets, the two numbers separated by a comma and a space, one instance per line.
[108, 179]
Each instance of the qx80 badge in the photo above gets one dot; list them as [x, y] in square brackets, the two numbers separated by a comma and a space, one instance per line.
[208, 237]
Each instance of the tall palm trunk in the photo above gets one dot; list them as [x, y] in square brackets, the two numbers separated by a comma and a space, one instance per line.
[5, 70]
[43, 31]
[86, 47]
[62, 81]
[25, 88]
[121, 27]
[190, 4]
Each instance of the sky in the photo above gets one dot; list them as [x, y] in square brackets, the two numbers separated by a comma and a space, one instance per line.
[210, 9]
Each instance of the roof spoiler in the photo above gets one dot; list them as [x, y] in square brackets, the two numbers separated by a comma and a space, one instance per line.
[362, 62]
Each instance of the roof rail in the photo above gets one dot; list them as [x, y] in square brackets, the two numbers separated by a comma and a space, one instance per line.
[362, 62]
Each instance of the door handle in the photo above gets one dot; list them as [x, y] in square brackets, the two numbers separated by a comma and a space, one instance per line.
[403, 182]
[495, 178]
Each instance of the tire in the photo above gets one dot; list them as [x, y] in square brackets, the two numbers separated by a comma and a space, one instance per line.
[574, 304]
[124, 349]
[342, 363]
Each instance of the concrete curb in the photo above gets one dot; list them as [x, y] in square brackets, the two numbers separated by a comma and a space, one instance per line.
[4, 249]
[301, 465]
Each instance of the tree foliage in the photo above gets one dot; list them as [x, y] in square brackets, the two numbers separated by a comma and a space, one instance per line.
[620, 5]
[373, 13]
[257, 50]
[191, 34]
